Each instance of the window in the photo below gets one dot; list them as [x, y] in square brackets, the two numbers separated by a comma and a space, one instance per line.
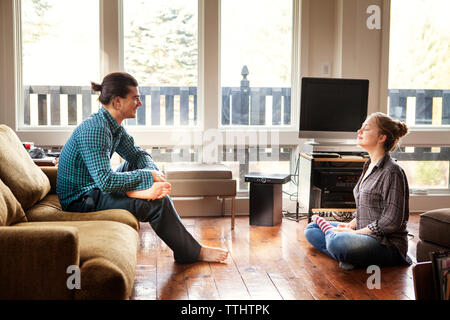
[161, 52]
[256, 50]
[158, 43]
[60, 56]
[419, 68]
[427, 168]
[419, 92]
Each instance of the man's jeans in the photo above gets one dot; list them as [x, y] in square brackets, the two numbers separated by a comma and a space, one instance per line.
[359, 250]
[160, 213]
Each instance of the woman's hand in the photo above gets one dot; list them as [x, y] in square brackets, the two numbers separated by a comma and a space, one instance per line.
[350, 225]
[343, 229]
[349, 230]
[346, 227]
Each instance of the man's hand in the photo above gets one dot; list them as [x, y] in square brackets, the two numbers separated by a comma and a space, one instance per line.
[157, 191]
[158, 176]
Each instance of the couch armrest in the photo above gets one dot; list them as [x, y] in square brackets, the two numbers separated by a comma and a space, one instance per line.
[51, 173]
[34, 261]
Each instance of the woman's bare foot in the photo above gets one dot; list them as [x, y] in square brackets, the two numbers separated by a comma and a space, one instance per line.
[210, 254]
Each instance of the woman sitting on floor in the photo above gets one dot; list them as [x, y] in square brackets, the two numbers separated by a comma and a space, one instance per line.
[377, 235]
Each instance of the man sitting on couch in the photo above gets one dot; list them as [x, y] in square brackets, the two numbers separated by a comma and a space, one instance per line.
[87, 183]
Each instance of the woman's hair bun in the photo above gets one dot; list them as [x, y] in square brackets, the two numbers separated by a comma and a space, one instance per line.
[96, 86]
[392, 128]
[402, 129]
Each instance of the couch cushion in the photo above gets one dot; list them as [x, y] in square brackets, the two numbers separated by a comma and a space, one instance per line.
[49, 209]
[434, 226]
[11, 211]
[107, 257]
[197, 171]
[18, 171]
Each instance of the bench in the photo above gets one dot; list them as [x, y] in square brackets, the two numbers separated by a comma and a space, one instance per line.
[202, 180]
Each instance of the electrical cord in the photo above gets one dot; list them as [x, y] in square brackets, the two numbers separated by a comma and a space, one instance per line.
[292, 196]
[293, 215]
[294, 177]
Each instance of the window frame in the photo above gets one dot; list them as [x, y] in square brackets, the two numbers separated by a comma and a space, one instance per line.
[289, 132]
[436, 136]
[208, 87]
[419, 135]
[111, 46]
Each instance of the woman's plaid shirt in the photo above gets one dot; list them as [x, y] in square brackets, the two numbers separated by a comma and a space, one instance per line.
[85, 164]
[382, 204]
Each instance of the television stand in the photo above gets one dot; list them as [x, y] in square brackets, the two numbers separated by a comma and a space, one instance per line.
[326, 184]
[338, 146]
[325, 155]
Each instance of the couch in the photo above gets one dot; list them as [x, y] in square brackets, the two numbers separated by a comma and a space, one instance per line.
[434, 233]
[44, 251]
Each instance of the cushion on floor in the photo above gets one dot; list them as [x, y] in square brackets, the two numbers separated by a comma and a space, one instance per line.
[434, 227]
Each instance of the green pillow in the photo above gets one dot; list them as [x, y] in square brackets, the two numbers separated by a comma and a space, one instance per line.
[11, 211]
[26, 180]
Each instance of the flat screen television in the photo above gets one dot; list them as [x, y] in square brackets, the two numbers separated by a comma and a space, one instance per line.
[332, 108]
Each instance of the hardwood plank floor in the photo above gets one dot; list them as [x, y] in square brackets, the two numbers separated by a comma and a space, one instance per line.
[275, 263]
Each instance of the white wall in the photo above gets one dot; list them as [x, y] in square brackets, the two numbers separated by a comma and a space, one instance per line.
[7, 73]
[337, 34]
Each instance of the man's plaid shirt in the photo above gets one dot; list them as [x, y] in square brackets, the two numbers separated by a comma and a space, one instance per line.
[382, 204]
[85, 164]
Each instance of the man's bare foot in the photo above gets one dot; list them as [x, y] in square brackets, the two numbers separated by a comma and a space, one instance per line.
[210, 254]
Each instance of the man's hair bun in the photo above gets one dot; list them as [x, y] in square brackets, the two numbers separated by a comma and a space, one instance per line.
[96, 86]
[115, 84]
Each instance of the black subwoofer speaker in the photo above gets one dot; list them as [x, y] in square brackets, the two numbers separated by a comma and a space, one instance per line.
[265, 204]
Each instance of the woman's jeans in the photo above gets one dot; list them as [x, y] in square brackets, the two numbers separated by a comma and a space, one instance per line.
[359, 250]
[160, 213]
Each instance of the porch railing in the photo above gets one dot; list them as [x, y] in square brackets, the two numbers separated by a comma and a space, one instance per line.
[424, 102]
[239, 107]
[244, 105]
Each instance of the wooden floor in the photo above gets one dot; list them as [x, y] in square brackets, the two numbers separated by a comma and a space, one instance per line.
[264, 263]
